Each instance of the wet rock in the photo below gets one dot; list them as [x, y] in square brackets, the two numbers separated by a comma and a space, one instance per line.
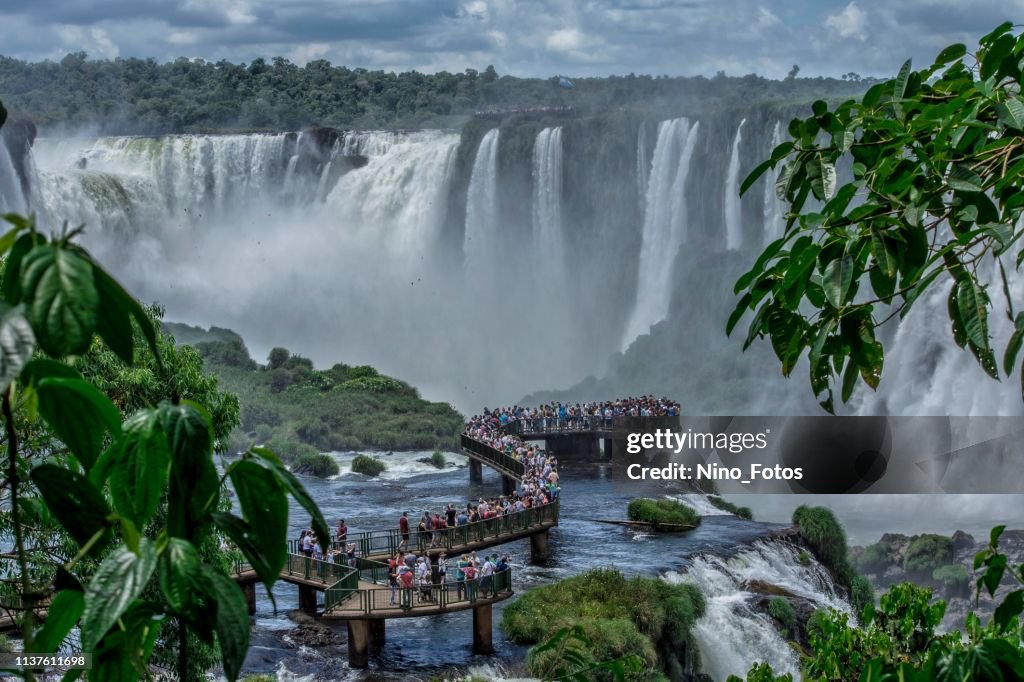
[963, 541]
[763, 587]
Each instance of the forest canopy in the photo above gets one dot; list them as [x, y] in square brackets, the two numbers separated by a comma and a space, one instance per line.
[143, 96]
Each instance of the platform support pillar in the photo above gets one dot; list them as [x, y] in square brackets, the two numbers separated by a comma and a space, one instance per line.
[476, 472]
[508, 485]
[250, 597]
[307, 599]
[359, 643]
[609, 449]
[539, 546]
[482, 632]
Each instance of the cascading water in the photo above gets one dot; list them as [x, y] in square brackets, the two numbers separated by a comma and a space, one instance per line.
[774, 209]
[547, 211]
[12, 197]
[733, 635]
[481, 244]
[733, 212]
[664, 224]
[643, 164]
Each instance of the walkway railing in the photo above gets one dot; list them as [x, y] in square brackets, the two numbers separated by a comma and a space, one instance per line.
[388, 542]
[385, 601]
[342, 590]
[496, 458]
[567, 425]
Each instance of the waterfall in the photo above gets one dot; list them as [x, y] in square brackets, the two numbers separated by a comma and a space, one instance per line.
[12, 198]
[774, 209]
[480, 242]
[643, 164]
[664, 224]
[733, 212]
[547, 211]
[733, 635]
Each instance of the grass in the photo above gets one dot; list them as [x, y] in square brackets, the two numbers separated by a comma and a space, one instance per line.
[620, 616]
[725, 505]
[438, 460]
[288, 403]
[781, 610]
[662, 511]
[368, 466]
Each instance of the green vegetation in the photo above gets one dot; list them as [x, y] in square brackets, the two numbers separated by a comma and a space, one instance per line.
[109, 437]
[899, 641]
[938, 175]
[827, 539]
[301, 412]
[781, 610]
[438, 460]
[953, 577]
[928, 552]
[662, 510]
[761, 672]
[620, 616]
[804, 558]
[874, 558]
[719, 502]
[368, 466]
[141, 96]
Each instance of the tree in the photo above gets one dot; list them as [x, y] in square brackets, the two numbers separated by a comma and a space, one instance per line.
[139, 499]
[936, 196]
[277, 358]
[793, 72]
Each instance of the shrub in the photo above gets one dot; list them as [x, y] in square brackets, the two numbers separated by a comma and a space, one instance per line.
[953, 577]
[804, 558]
[861, 593]
[644, 616]
[762, 672]
[825, 536]
[928, 552]
[438, 460]
[662, 511]
[315, 464]
[874, 558]
[277, 358]
[726, 505]
[228, 353]
[263, 433]
[368, 466]
[781, 610]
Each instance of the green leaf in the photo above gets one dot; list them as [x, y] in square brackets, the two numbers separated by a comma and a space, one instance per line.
[850, 375]
[298, 492]
[949, 54]
[1011, 607]
[62, 301]
[264, 507]
[11, 236]
[73, 500]
[245, 538]
[232, 622]
[964, 179]
[61, 615]
[994, 56]
[737, 314]
[180, 575]
[139, 479]
[1011, 113]
[899, 87]
[754, 175]
[1013, 345]
[194, 483]
[972, 303]
[883, 253]
[16, 343]
[836, 281]
[783, 180]
[822, 174]
[11, 286]
[118, 581]
[953, 309]
[116, 311]
[79, 414]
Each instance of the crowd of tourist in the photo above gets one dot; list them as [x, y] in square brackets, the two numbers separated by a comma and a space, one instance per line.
[410, 574]
[582, 416]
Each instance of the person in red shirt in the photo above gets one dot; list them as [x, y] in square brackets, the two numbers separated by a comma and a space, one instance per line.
[406, 579]
[403, 528]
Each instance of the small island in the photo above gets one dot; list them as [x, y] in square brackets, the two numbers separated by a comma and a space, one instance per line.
[368, 466]
[662, 515]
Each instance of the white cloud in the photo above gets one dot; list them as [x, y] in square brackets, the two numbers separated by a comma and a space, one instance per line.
[477, 9]
[93, 40]
[564, 40]
[766, 18]
[850, 23]
[304, 54]
[183, 38]
[238, 12]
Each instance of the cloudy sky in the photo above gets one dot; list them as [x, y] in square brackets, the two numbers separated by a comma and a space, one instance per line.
[519, 37]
